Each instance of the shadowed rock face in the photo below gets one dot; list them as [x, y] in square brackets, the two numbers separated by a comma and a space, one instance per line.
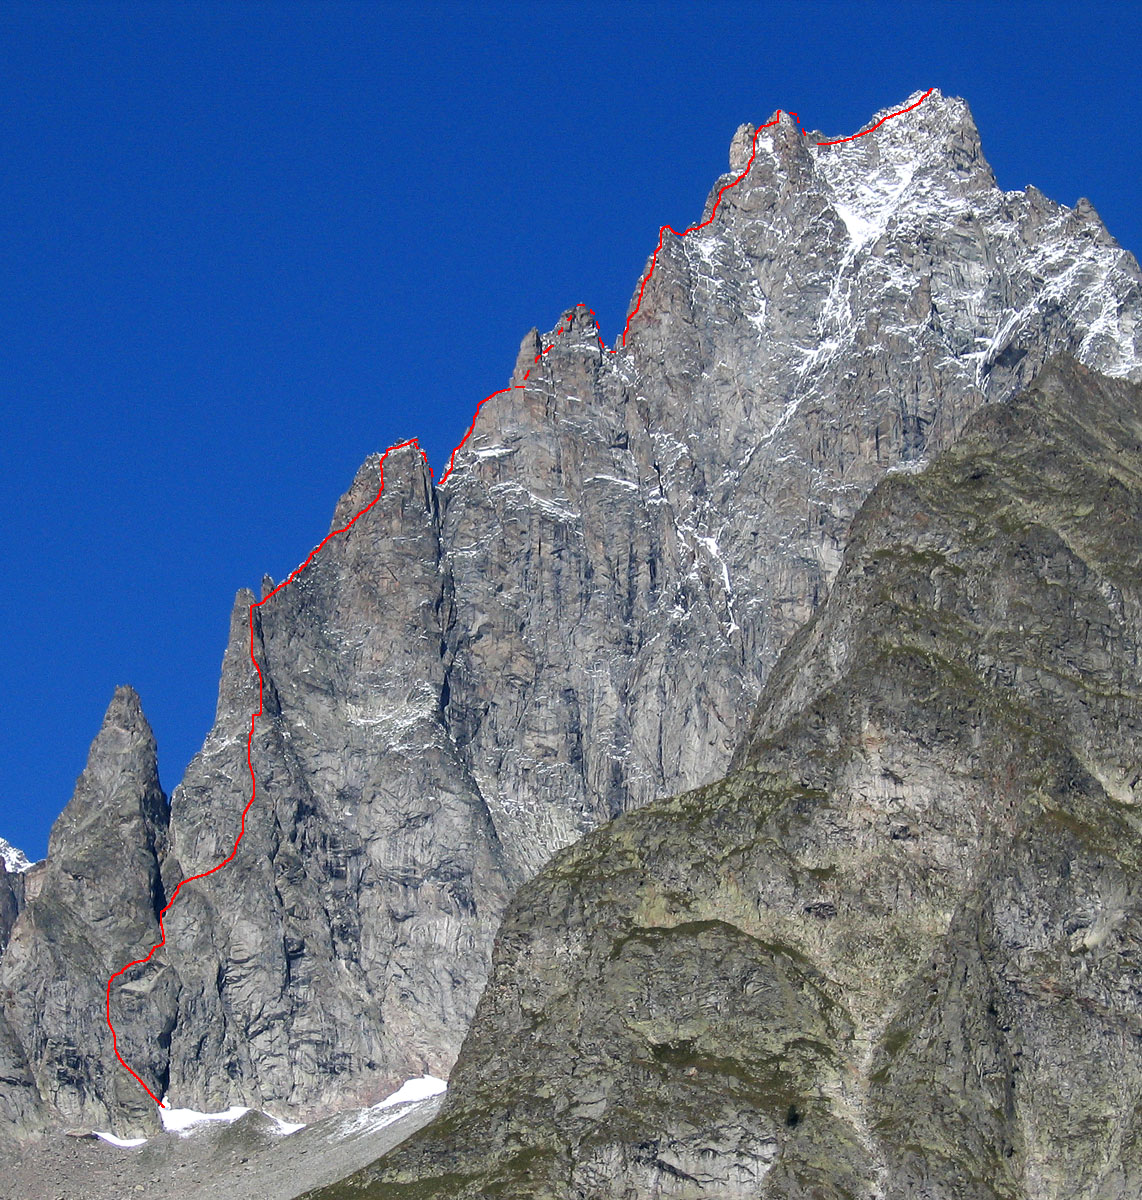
[11, 902]
[895, 952]
[581, 620]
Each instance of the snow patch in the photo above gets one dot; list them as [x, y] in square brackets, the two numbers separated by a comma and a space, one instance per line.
[867, 209]
[125, 1143]
[711, 547]
[181, 1120]
[705, 246]
[421, 1088]
[394, 1107]
[15, 861]
[715, 553]
[861, 228]
[612, 479]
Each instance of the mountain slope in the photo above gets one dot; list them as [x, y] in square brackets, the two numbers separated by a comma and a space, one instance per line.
[580, 621]
[895, 952]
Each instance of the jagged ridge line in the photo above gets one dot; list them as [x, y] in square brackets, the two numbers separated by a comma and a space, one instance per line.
[654, 259]
[863, 132]
[249, 752]
[443, 479]
[748, 167]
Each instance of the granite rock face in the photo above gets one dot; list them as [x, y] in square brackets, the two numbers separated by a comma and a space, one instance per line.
[580, 620]
[92, 906]
[895, 952]
[13, 866]
[635, 536]
[344, 949]
[21, 1109]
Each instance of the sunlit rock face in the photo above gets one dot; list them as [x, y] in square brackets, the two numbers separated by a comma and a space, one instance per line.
[894, 952]
[581, 619]
[633, 537]
[90, 908]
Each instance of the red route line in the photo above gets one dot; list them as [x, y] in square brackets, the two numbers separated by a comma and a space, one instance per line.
[852, 137]
[444, 479]
[733, 183]
[249, 750]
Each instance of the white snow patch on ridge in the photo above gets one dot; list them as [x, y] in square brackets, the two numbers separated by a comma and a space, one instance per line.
[392, 1108]
[15, 861]
[420, 1088]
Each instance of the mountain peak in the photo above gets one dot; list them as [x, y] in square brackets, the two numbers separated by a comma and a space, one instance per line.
[120, 781]
[15, 861]
[125, 710]
[932, 133]
[578, 624]
[124, 719]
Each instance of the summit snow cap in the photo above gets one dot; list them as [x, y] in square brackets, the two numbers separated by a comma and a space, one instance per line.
[15, 861]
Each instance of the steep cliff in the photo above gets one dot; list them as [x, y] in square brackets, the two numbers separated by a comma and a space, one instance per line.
[345, 947]
[11, 902]
[895, 952]
[14, 865]
[580, 620]
[97, 895]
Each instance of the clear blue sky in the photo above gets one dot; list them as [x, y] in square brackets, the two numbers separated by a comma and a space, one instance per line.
[243, 245]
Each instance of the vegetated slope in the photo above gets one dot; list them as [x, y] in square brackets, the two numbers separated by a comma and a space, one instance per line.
[895, 952]
[579, 622]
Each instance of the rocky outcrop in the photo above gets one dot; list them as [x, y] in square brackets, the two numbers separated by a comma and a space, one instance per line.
[13, 866]
[895, 952]
[11, 902]
[344, 949]
[581, 619]
[95, 909]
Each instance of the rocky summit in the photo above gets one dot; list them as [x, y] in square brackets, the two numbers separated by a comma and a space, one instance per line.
[580, 623]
